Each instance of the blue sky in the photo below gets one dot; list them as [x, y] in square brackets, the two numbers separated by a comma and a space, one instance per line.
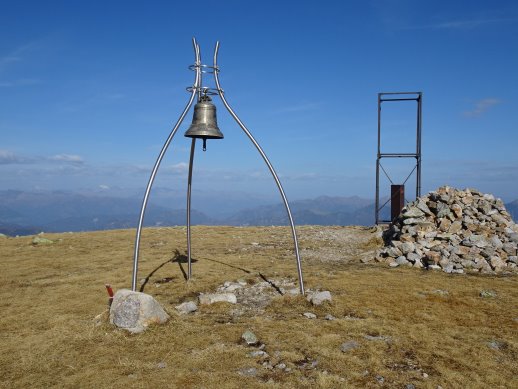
[90, 90]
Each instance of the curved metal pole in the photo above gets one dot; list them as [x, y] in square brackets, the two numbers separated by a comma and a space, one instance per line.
[189, 182]
[266, 160]
[157, 165]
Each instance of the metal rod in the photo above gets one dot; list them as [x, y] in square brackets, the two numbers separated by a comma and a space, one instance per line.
[266, 160]
[155, 170]
[405, 99]
[398, 155]
[399, 93]
[376, 211]
[189, 182]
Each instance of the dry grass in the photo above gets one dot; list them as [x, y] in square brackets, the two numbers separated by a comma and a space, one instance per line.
[50, 296]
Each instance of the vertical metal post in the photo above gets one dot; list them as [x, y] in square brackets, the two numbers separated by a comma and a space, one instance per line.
[418, 146]
[267, 161]
[189, 183]
[377, 204]
[155, 170]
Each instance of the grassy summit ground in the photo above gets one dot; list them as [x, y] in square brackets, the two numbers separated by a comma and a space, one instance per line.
[410, 326]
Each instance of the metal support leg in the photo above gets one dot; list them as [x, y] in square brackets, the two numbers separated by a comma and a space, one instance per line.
[265, 158]
[155, 169]
[189, 182]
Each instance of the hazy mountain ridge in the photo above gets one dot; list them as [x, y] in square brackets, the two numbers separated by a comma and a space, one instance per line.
[26, 213]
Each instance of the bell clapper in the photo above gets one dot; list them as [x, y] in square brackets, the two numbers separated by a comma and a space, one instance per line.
[204, 144]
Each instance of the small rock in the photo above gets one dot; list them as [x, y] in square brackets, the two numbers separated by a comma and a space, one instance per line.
[248, 371]
[401, 260]
[280, 366]
[488, 294]
[425, 375]
[39, 240]
[318, 298]
[258, 353]
[309, 315]
[380, 379]
[496, 344]
[211, 298]
[187, 307]
[329, 317]
[349, 345]
[249, 337]
[135, 311]
[161, 365]
[410, 386]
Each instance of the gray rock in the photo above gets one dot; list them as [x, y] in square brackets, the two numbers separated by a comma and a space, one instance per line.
[513, 237]
[413, 212]
[249, 338]
[39, 240]
[248, 371]
[329, 317]
[187, 307]
[258, 353]
[407, 247]
[211, 298]
[443, 209]
[414, 258]
[402, 260]
[280, 366]
[349, 345]
[161, 365]
[135, 311]
[488, 294]
[309, 315]
[319, 298]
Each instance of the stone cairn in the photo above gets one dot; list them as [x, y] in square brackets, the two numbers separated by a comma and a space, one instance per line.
[455, 231]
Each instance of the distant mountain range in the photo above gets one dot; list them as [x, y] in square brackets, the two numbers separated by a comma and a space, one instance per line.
[26, 213]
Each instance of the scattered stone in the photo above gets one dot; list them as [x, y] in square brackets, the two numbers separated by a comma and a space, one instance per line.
[161, 365]
[349, 345]
[318, 298]
[280, 366]
[250, 338]
[258, 353]
[248, 371]
[39, 240]
[329, 317]
[410, 386]
[187, 307]
[135, 311]
[380, 379]
[488, 294]
[309, 315]
[496, 344]
[211, 298]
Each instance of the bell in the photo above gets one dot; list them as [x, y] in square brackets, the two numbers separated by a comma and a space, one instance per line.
[204, 123]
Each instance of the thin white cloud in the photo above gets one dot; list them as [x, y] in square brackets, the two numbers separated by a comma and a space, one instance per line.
[69, 158]
[460, 24]
[9, 158]
[481, 106]
[15, 55]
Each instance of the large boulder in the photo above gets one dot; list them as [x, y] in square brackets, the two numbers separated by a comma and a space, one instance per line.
[135, 311]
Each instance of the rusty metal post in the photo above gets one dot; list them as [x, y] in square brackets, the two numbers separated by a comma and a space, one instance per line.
[397, 200]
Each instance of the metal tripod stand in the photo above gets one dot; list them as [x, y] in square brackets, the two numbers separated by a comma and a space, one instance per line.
[198, 90]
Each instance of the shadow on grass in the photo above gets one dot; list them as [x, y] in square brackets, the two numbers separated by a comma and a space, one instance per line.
[178, 258]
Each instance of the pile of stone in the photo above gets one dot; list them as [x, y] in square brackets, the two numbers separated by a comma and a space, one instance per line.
[455, 231]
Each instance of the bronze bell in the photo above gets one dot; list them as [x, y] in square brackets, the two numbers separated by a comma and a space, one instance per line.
[204, 123]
